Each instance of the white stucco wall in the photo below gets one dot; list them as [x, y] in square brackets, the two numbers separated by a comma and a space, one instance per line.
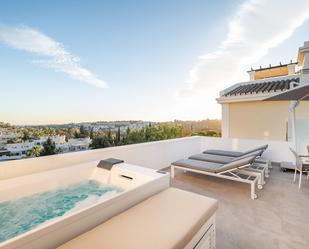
[155, 155]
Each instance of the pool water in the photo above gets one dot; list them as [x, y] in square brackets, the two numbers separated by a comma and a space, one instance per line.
[21, 215]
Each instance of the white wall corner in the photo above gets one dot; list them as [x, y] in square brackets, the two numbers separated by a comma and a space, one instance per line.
[251, 75]
[225, 120]
[303, 57]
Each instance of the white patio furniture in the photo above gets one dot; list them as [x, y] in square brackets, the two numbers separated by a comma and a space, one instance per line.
[301, 166]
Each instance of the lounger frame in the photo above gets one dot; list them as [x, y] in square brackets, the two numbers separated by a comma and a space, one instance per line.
[238, 174]
[260, 169]
[263, 166]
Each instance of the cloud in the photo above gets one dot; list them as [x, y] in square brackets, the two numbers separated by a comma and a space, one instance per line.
[256, 27]
[52, 53]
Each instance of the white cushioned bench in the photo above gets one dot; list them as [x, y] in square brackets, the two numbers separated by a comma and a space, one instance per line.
[171, 219]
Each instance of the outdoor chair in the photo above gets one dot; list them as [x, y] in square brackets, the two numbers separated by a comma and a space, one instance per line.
[301, 166]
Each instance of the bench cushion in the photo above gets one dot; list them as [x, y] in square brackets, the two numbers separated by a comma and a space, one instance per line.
[168, 220]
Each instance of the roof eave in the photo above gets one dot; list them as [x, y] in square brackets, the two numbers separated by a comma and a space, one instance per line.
[245, 98]
[257, 81]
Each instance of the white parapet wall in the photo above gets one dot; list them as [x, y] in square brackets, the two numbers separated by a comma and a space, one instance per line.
[155, 155]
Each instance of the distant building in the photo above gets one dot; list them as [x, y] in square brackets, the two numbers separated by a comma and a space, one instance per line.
[7, 135]
[19, 150]
[77, 144]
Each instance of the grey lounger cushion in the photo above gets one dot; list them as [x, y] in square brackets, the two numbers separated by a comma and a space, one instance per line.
[198, 165]
[224, 153]
[263, 148]
[213, 167]
[261, 160]
[212, 158]
[221, 159]
[235, 153]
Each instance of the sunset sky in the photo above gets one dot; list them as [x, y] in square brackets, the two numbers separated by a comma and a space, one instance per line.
[73, 61]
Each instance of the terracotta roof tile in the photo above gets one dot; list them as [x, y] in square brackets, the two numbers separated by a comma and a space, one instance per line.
[273, 85]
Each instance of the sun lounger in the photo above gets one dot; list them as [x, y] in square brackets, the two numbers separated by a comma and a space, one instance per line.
[217, 158]
[233, 170]
[260, 162]
[171, 219]
[236, 153]
[257, 165]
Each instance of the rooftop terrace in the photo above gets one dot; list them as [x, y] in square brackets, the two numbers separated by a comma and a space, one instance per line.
[278, 219]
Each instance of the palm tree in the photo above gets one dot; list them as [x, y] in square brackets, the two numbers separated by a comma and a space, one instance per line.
[35, 151]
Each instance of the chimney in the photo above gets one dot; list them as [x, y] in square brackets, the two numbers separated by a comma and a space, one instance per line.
[291, 69]
[251, 74]
[303, 57]
[303, 62]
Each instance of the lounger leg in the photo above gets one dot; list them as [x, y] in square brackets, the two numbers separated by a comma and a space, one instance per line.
[266, 172]
[299, 184]
[260, 180]
[259, 175]
[261, 168]
[214, 235]
[295, 172]
[253, 194]
[172, 171]
[266, 168]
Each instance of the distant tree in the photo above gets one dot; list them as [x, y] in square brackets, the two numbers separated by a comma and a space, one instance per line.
[118, 136]
[76, 134]
[70, 133]
[100, 142]
[35, 151]
[49, 148]
[49, 132]
[153, 133]
[136, 136]
[83, 132]
[208, 133]
[12, 141]
[109, 136]
[26, 135]
[91, 135]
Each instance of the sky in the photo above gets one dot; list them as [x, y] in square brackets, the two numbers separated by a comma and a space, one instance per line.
[160, 60]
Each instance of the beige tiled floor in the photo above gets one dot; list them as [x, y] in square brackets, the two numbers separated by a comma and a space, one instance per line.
[278, 219]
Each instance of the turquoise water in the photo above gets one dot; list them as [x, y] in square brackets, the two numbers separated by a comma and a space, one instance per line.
[23, 214]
